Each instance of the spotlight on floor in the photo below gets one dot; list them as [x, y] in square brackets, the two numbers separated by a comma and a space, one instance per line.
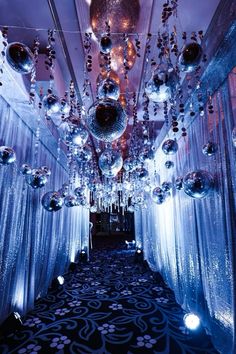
[11, 324]
[191, 321]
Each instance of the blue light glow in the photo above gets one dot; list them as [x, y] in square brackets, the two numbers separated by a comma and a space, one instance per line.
[191, 321]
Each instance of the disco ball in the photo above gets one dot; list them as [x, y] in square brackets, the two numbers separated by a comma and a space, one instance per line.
[166, 186]
[106, 120]
[141, 173]
[234, 136]
[179, 183]
[110, 163]
[93, 209]
[65, 107]
[108, 89]
[52, 201]
[70, 201]
[198, 184]
[37, 178]
[157, 88]
[128, 164]
[25, 169]
[158, 195]
[169, 164]
[190, 57]
[105, 44]
[209, 149]
[147, 154]
[20, 58]
[64, 190]
[79, 191]
[77, 135]
[52, 104]
[7, 155]
[46, 170]
[84, 155]
[170, 147]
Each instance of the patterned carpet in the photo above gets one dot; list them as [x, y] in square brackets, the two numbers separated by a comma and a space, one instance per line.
[108, 305]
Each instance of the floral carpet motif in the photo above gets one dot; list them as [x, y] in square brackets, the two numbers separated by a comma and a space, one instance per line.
[108, 305]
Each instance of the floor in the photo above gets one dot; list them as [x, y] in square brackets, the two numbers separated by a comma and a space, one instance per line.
[111, 304]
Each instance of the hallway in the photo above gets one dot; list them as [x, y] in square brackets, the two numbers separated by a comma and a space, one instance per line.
[111, 304]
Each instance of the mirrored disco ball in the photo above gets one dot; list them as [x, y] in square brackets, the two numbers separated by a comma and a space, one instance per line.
[46, 170]
[166, 186]
[7, 155]
[84, 155]
[65, 107]
[105, 44]
[190, 57]
[51, 104]
[209, 149]
[25, 169]
[158, 195]
[110, 163]
[79, 191]
[52, 201]
[64, 190]
[157, 88]
[70, 201]
[106, 120]
[77, 135]
[170, 147]
[108, 89]
[141, 173]
[37, 179]
[128, 164]
[198, 184]
[234, 136]
[147, 154]
[20, 58]
[179, 183]
[169, 164]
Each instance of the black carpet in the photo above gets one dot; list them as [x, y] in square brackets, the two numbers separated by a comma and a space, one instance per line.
[109, 305]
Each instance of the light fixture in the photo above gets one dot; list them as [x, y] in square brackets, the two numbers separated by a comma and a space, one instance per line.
[191, 321]
[60, 279]
[11, 324]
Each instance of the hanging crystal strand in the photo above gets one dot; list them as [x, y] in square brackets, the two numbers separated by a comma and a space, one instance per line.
[137, 44]
[3, 53]
[33, 72]
[51, 56]
[87, 65]
[58, 149]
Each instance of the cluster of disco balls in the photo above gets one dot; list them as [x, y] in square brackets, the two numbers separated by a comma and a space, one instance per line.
[54, 201]
[35, 177]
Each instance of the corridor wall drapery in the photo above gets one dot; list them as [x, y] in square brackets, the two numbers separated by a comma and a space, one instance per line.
[35, 245]
[192, 242]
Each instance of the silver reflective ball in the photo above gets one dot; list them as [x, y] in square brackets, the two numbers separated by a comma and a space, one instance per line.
[106, 120]
[51, 104]
[70, 201]
[105, 44]
[77, 135]
[128, 164]
[84, 155]
[141, 173]
[157, 88]
[166, 186]
[7, 155]
[37, 179]
[110, 163]
[198, 184]
[65, 107]
[108, 89]
[46, 170]
[20, 58]
[190, 57]
[170, 147]
[169, 164]
[25, 169]
[209, 149]
[158, 195]
[179, 183]
[52, 201]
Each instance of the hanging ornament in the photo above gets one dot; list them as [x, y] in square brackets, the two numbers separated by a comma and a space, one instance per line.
[108, 89]
[84, 155]
[209, 149]
[234, 137]
[37, 178]
[93, 209]
[25, 169]
[179, 183]
[77, 135]
[65, 107]
[7, 155]
[158, 195]
[20, 58]
[170, 147]
[64, 190]
[110, 163]
[157, 88]
[198, 184]
[70, 201]
[128, 164]
[52, 201]
[169, 164]
[141, 173]
[190, 57]
[51, 104]
[106, 120]
[105, 44]
[166, 186]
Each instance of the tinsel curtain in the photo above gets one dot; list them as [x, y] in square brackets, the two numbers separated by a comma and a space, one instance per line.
[35, 245]
[192, 242]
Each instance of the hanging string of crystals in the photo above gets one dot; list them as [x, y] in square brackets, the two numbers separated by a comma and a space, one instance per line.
[51, 56]
[88, 64]
[33, 72]
[3, 52]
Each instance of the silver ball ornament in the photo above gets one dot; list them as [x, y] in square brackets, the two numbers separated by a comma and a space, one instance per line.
[37, 179]
[209, 149]
[52, 201]
[198, 184]
[108, 89]
[51, 104]
[110, 163]
[20, 58]
[25, 169]
[190, 57]
[170, 147]
[7, 155]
